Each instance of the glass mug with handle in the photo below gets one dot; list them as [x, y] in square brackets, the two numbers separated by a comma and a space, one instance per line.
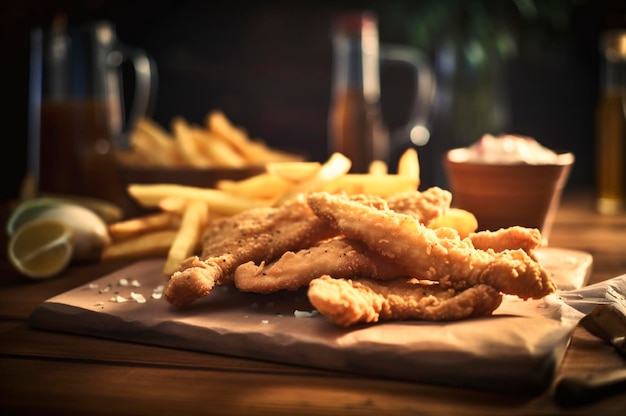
[355, 125]
[78, 114]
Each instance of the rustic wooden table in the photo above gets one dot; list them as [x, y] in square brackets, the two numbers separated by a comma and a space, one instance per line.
[54, 373]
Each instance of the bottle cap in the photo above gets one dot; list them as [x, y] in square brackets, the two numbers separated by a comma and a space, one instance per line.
[354, 23]
[613, 44]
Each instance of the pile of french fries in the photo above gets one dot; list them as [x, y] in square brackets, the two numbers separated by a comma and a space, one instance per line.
[216, 144]
[181, 213]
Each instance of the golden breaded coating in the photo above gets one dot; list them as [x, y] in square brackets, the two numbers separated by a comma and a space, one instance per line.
[257, 235]
[510, 238]
[340, 258]
[423, 206]
[434, 254]
[347, 302]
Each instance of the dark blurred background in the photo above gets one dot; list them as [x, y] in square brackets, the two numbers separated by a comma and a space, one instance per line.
[525, 67]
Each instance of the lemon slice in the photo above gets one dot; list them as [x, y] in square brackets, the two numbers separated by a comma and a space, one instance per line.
[107, 210]
[41, 248]
[30, 209]
[90, 230]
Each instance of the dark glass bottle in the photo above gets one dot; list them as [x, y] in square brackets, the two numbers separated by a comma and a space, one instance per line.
[355, 122]
[611, 125]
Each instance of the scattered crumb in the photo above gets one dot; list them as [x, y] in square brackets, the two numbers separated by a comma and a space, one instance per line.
[305, 314]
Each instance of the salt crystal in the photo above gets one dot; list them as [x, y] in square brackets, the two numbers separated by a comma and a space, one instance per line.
[138, 297]
[305, 314]
[105, 289]
[119, 299]
[158, 292]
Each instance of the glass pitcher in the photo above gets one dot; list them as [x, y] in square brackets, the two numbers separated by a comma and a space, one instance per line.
[355, 125]
[78, 114]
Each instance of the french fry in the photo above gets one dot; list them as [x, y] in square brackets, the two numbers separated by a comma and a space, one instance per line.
[461, 220]
[335, 167]
[150, 195]
[189, 235]
[132, 227]
[173, 205]
[149, 138]
[364, 183]
[266, 186]
[217, 122]
[293, 171]
[218, 143]
[154, 130]
[255, 152]
[186, 140]
[220, 152]
[378, 167]
[150, 244]
[155, 152]
[409, 165]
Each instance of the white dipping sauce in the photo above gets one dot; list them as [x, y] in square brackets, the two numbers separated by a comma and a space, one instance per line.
[506, 149]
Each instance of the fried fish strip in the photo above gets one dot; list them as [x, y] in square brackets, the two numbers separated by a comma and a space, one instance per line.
[424, 206]
[510, 238]
[434, 254]
[260, 234]
[340, 258]
[347, 302]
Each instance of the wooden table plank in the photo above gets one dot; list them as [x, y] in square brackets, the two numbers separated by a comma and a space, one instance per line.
[132, 390]
[20, 341]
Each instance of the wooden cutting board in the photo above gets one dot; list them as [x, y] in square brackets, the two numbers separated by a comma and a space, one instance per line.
[516, 350]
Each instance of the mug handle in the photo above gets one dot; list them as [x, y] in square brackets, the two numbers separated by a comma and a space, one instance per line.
[145, 87]
[416, 129]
